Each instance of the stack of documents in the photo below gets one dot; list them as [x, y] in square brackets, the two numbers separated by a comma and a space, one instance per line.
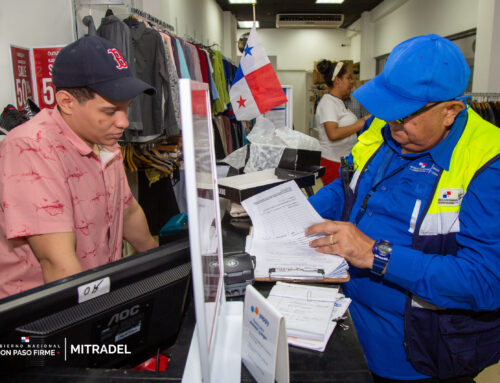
[280, 216]
[310, 312]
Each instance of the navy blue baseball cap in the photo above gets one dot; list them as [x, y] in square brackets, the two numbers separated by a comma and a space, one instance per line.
[420, 70]
[96, 63]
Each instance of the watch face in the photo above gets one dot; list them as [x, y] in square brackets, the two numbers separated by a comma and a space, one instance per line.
[384, 247]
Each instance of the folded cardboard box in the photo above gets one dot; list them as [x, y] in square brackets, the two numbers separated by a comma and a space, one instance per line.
[243, 186]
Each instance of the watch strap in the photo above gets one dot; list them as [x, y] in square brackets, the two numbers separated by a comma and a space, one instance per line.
[380, 258]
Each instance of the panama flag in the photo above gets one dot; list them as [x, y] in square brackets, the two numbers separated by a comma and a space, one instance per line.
[25, 339]
[256, 88]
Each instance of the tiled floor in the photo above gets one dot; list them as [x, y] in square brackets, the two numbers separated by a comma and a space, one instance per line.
[489, 375]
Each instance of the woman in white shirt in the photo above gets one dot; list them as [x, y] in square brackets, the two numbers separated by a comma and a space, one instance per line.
[336, 124]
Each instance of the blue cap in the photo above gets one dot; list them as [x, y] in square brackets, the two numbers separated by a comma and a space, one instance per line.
[420, 70]
[94, 62]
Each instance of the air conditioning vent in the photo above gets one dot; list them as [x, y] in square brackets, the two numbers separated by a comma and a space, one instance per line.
[309, 20]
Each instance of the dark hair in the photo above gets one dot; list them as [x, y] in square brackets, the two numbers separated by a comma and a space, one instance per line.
[82, 94]
[326, 68]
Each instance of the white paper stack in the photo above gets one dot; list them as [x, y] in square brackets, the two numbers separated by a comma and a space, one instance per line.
[310, 312]
[280, 216]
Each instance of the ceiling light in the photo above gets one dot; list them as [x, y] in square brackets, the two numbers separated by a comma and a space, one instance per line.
[247, 24]
[244, 1]
[329, 1]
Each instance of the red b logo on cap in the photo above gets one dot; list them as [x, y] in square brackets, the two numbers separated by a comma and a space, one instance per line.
[122, 64]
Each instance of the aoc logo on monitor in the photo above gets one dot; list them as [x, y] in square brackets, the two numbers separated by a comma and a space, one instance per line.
[124, 314]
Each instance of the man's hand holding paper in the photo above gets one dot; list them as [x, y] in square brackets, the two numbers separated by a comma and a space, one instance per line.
[343, 239]
[280, 217]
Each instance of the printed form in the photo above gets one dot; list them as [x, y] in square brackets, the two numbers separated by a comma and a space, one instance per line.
[311, 312]
[280, 216]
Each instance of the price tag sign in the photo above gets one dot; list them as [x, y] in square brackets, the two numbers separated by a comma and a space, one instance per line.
[21, 70]
[43, 59]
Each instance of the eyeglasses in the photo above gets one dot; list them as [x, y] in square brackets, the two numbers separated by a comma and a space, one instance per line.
[420, 111]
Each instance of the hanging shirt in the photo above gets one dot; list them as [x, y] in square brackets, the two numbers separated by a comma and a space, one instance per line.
[169, 46]
[149, 62]
[203, 64]
[182, 60]
[196, 62]
[176, 55]
[172, 107]
[213, 88]
[189, 59]
[220, 82]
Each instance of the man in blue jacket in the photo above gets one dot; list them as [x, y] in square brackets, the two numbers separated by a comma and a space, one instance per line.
[416, 216]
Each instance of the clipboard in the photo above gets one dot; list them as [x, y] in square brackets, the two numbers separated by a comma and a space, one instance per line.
[300, 275]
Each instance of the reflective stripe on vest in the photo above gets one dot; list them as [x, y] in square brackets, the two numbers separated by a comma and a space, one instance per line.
[368, 144]
[479, 143]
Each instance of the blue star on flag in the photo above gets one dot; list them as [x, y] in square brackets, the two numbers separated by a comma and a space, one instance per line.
[248, 50]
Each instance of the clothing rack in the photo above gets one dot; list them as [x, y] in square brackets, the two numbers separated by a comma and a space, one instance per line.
[163, 156]
[487, 105]
[152, 19]
[109, 3]
[192, 40]
[484, 96]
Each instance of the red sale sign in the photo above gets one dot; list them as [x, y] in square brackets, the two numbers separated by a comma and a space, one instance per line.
[43, 59]
[21, 70]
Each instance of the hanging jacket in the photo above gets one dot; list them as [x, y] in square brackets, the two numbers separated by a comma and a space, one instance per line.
[220, 104]
[442, 342]
[115, 30]
[146, 115]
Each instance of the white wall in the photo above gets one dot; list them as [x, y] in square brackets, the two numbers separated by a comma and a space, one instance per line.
[230, 43]
[297, 79]
[198, 19]
[29, 23]
[486, 73]
[418, 17]
[296, 51]
[356, 48]
[394, 21]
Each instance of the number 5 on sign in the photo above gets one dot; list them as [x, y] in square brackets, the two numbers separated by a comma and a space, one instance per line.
[43, 59]
[48, 91]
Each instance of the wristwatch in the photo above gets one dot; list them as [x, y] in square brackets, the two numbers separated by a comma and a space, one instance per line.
[382, 251]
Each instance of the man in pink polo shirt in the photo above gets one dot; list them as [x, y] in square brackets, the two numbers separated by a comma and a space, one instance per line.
[65, 200]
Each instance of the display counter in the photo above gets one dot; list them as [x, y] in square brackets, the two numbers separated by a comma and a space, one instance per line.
[342, 361]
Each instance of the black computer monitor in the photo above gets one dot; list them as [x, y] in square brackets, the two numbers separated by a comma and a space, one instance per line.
[115, 315]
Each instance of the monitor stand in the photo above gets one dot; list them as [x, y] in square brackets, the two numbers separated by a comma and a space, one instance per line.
[226, 366]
